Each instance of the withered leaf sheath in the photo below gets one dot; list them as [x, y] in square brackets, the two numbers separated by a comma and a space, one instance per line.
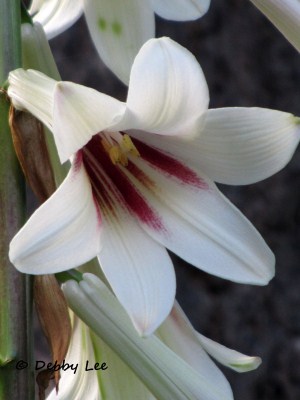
[54, 317]
[42, 379]
[31, 149]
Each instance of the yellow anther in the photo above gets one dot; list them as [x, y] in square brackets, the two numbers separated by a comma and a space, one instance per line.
[118, 152]
[115, 154]
[128, 146]
[123, 159]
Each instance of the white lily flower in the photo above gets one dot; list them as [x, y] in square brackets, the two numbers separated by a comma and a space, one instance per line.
[125, 200]
[55, 15]
[178, 369]
[76, 383]
[118, 28]
[285, 15]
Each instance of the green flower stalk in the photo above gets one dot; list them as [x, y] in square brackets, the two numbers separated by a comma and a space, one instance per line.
[15, 305]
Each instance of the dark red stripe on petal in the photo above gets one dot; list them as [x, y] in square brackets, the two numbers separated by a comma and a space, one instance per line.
[108, 179]
[76, 166]
[134, 200]
[143, 178]
[99, 216]
[169, 165]
[102, 187]
[77, 161]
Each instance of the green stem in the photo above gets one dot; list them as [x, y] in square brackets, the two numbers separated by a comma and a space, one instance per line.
[15, 292]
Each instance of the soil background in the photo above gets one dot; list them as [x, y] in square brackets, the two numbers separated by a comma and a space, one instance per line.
[248, 63]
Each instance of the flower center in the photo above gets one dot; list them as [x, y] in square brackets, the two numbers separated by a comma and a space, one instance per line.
[118, 146]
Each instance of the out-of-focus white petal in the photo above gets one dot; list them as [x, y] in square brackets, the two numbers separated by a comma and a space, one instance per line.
[63, 233]
[79, 113]
[138, 269]
[230, 358]
[178, 334]
[180, 10]
[163, 372]
[240, 146]
[119, 29]
[56, 15]
[167, 91]
[35, 6]
[285, 15]
[201, 225]
[32, 91]
[78, 384]
[118, 382]
[236, 146]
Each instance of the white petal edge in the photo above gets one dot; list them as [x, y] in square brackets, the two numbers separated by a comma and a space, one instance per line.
[180, 10]
[230, 358]
[204, 228]
[138, 269]
[79, 113]
[179, 335]
[78, 385]
[167, 93]
[56, 15]
[239, 146]
[63, 233]
[285, 15]
[236, 146]
[35, 6]
[162, 371]
[182, 330]
[118, 30]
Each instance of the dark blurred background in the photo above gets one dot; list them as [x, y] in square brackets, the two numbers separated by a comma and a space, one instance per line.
[246, 62]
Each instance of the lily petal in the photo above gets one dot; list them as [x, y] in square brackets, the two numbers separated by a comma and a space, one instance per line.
[35, 5]
[162, 371]
[64, 232]
[32, 91]
[230, 358]
[217, 237]
[178, 328]
[78, 385]
[179, 335]
[56, 15]
[285, 15]
[239, 146]
[180, 10]
[138, 269]
[168, 95]
[85, 113]
[119, 29]
[236, 146]
[119, 382]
